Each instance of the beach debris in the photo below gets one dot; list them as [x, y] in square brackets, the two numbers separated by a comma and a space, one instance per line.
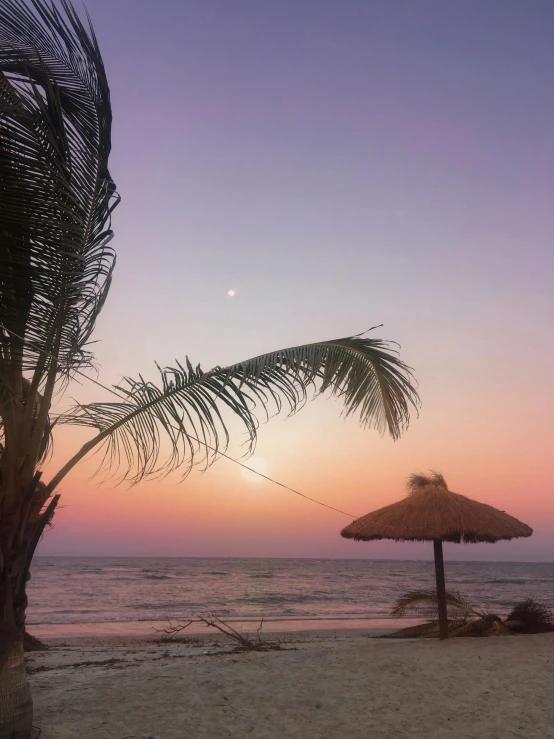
[32, 644]
[424, 603]
[463, 618]
[528, 617]
[244, 642]
[432, 512]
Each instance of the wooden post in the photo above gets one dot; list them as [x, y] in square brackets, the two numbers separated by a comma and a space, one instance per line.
[441, 589]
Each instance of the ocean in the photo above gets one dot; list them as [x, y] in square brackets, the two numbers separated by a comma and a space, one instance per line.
[66, 590]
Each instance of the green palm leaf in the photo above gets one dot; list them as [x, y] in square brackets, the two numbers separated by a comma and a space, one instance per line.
[188, 406]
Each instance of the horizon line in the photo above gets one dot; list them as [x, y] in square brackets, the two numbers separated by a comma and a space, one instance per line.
[325, 559]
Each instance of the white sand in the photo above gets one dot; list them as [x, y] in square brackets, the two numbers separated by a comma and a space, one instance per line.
[355, 687]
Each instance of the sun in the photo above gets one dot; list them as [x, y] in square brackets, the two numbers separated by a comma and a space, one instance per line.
[231, 293]
[256, 463]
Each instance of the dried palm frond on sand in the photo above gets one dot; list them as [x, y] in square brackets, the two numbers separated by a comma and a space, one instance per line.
[528, 617]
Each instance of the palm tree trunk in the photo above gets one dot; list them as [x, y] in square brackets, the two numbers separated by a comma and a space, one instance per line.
[16, 705]
[18, 540]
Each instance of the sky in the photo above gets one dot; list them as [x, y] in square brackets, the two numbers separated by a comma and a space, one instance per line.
[338, 165]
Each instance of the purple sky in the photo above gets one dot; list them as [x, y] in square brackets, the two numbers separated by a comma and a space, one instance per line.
[342, 164]
[357, 156]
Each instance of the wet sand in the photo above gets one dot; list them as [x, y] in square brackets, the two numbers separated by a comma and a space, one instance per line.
[145, 629]
[317, 686]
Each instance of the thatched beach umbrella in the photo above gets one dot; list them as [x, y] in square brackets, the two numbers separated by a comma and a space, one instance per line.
[431, 512]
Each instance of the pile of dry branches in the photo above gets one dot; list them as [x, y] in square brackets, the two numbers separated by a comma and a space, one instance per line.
[244, 642]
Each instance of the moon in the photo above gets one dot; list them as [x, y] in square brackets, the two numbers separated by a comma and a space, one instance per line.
[231, 293]
[259, 464]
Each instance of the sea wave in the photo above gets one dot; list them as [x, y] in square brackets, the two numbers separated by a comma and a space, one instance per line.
[123, 568]
[151, 589]
[252, 617]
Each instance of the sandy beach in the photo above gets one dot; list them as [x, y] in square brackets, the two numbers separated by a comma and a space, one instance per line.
[319, 685]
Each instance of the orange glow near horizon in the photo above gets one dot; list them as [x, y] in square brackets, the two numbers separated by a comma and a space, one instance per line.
[221, 513]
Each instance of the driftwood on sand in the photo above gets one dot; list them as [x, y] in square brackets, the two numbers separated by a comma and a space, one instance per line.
[244, 642]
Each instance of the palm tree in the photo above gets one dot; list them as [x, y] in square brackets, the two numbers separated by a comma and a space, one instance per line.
[56, 263]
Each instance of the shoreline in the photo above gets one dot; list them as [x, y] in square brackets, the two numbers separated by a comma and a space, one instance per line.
[145, 630]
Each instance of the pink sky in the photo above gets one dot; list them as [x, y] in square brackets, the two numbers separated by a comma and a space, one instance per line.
[364, 164]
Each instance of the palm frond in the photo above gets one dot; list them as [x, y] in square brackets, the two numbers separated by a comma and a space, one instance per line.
[428, 629]
[431, 629]
[531, 617]
[424, 603]
[56, 193]
[487, 626]
[188, 406]
[463, 628]
[46, 443]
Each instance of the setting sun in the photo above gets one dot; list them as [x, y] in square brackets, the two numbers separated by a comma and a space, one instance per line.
[260, 465]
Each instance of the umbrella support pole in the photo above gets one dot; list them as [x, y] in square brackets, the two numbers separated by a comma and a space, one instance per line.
[441, 589]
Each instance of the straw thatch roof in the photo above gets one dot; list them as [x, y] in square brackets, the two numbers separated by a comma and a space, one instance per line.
[431, 511]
